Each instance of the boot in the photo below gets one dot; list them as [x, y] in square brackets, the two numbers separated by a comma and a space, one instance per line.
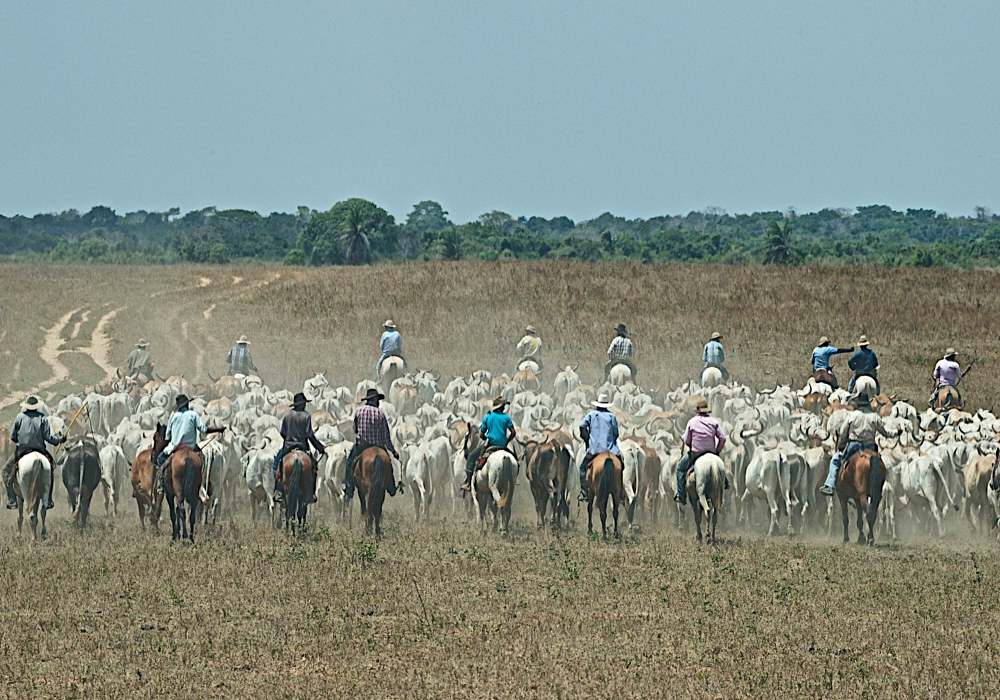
[349, 482]
[391, 490]
[279, 491]
[11, 498]
[160, 488]
[583, 493]
[467, 486]
[52, 487]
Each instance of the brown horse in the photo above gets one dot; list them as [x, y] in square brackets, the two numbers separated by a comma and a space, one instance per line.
[547, 469]
[143, 479]
[372, 471]
[825, 376]
[181, 482]
[946, 397]
[861, 481]
[604, 479]
[299, 483]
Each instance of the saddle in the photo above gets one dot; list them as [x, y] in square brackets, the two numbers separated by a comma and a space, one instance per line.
[489, 451]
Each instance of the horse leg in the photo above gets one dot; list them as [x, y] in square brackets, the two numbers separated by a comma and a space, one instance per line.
[615, 501]
[847, 520]
[862, 502]
[192, 519]
[697, 520]
[872, 518]
[44, 511]
[20, 514]
[590, 515]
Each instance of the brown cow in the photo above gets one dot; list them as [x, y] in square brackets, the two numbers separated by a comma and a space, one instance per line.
[977, 474]
[815, 402]
[547, 469]
[526, 380]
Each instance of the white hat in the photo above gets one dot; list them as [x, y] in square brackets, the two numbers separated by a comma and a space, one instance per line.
[602, 402]
[32, 403]
[243, 340]
[389, 324]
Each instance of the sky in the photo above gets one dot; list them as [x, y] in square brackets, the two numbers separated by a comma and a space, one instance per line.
[532, 108]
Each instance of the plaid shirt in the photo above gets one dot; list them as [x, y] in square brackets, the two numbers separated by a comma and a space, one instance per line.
[372, 428]
[713, 355]
[621, 349]
[239, 360]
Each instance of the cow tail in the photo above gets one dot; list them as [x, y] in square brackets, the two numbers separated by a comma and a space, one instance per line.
[944, 483]
[604, 487]
[187, 488]
[294, 484]
[507, 474]
[376, 494]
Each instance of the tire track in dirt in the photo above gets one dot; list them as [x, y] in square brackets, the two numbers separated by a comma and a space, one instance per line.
[49, 353]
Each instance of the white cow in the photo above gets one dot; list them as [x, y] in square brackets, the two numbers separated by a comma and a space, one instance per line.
[114, 474]
[768, 478]
[922, 480]
[633, 462]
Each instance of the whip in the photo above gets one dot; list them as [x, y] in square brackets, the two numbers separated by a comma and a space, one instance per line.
[70, 426]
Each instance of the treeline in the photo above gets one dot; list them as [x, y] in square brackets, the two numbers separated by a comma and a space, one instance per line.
[357, 231]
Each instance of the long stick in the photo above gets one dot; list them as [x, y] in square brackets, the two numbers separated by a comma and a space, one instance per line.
[70, 426]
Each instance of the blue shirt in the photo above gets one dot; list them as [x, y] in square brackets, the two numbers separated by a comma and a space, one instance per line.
[821, 357]
[495, 426]
[603, 428]
[714, 355]
[864, 361]
[183, 429]
[392, 342]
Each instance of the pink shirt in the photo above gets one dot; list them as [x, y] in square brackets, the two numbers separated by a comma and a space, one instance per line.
[947, 372]
[701, 433]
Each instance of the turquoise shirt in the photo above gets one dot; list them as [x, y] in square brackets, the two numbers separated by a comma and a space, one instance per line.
[495, 426]
[183, 429]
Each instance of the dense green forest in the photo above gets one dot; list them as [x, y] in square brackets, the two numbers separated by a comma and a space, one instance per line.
[357, 231]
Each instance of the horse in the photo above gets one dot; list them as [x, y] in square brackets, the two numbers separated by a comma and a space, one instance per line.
[372, 471]
[825, 376]
[865, 385]
[32, 487]
[143, 478]
[297, 478]
[604, 479]
[81, 473]
[705, 485]
[861, 482]
[181, 483]
[547, 469]
[528, 364]
[393, 368]
[619, 375]
[946, 397]
[493, 487]
[711, 377]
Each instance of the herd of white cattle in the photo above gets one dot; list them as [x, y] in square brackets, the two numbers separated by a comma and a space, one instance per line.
[777, 453]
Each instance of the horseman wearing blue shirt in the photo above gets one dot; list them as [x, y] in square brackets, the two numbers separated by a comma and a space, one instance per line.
[820, 359]
[599, 429]
[714, 355]
[496, 431]
[391, 345]
[865, 364]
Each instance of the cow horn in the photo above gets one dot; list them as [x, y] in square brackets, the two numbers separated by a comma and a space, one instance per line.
[118, 372]
[211, 377]
[576, 366]
[159, 377]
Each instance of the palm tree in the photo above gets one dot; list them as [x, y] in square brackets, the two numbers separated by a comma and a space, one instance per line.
[778, 243]
[354, 238]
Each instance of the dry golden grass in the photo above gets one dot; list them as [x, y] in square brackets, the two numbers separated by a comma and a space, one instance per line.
[437, 610]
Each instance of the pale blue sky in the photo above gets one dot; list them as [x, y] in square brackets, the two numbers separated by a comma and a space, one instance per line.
[539, 108]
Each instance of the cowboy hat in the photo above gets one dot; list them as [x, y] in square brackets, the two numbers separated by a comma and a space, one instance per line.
[863, 341]
[621, 328]
[243, 340]
[701, 405]
[862, 399]
[499, 402]
[389, 324]
[182, 401]
[602, 402]
[32, 403]
[530, 329]
[374, 395]
[299, 399]
[950, 352]
[824, 340]
[716, 336]
[142, 343]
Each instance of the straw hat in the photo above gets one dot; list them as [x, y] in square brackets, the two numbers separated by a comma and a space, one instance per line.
[701, 406]
[824, 340]
[142, 343]
[499, 402]
[863, 341]
[950, 352]
[716, 336]
[530, 329]
[602, 402]
[243, 340]
[389, 324]
[32, 403]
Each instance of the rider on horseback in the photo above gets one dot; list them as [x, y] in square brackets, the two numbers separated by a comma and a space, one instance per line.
[496, 431]
[139, 362]
[947, 372]
[714, 355]
[530, 347]
[858, 434]
[371, 430]
[239, 358]
[29, 433]
[820, 359]
[864, 363]
[599, 429]
[620, 352]
[183, 429]
[297, 431]
[391, 345]
[703, 435]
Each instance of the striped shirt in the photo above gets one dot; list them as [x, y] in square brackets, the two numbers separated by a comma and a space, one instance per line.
[239, 360]
[620, 349]
[372, 428]
[713, 354]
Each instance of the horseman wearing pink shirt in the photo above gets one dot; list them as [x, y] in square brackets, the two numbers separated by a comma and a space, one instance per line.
[948, 373]
[703, 435]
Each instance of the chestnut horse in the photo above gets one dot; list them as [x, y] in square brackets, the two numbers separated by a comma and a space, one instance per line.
[861, 481]
[299, 483]
[824, 376]
[181, 483]
[372, 471]
[143, 478]
[604, 478]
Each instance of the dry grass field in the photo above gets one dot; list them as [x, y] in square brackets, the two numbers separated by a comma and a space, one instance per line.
[439, 610]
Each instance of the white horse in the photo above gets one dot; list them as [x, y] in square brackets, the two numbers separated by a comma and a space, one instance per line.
[620, 375]
[705, 486]
[493, 488]
[711, 377]
[32, 486]
[866, 385]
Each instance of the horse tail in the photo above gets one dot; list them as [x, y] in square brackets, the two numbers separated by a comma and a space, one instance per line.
[944, 484]
[376, 494]
[294, 484]
[33, 495]
[507, 476]
[604, 487]
[187, 487]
